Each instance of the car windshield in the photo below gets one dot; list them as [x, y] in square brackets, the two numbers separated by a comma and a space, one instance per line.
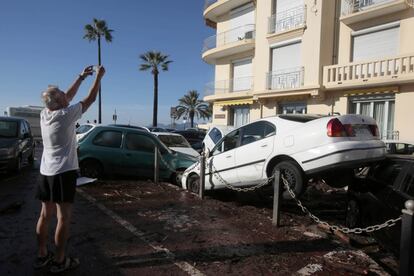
[174, 141]
[8, 129]
[83, 129]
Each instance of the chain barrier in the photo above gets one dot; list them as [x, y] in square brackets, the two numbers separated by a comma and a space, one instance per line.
[346, 230]
[231, 187]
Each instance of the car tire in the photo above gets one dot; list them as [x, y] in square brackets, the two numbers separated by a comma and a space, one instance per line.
[294, 175]
[353, 214]
[193, 184]
[91, 168]
[176, 177]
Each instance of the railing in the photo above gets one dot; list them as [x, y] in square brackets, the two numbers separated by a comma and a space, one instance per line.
[370, 70]
[285, 79]
[287, 20]
[228, 86]
[208, 3]
[391, 135]
[353, 6]
[233, 35]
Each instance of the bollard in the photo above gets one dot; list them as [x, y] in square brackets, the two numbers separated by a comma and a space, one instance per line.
[156, 165]
[202, 174]
[407, 240]
[276, 199]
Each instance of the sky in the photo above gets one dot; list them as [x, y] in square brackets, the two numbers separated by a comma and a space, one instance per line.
[42, 44]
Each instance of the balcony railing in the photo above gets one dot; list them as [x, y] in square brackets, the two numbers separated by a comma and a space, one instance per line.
[352, 6]
[208, 3]
[383, 69]
[285, 79]
[287, 20]
[229, 86]
[233, 35]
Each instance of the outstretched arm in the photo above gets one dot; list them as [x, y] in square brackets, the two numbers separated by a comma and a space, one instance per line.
[87, 102]
[73, 89]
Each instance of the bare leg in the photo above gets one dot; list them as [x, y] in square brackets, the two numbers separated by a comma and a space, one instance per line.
[64, 213]
[47, 212]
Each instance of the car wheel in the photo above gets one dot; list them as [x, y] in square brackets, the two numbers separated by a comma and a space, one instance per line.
[193, 184]
[353, 214]
[91, 168]
[176, 177]
[293, 175]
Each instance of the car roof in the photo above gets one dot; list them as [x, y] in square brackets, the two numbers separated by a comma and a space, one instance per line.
[12, 119]
[399, 141]
[401, 156]
[130, 129]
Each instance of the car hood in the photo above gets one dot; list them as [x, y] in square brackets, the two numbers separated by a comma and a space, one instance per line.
[7, 142]
[189, 151]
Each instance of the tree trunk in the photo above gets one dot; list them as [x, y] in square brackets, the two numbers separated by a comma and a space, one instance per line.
[99, 94]
[192, 119]
[155, 108]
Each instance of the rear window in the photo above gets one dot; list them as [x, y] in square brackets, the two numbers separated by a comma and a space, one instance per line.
[215, 135]
[8, 129]
[300, 118]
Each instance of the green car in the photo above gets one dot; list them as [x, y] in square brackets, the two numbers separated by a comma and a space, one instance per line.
[128, 151]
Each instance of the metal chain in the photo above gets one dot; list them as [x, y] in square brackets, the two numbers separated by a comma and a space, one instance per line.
[231, 187]
[346, 230]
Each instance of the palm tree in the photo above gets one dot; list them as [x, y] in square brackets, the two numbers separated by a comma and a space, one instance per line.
[190, 105]
[93, 32]
[154, 61]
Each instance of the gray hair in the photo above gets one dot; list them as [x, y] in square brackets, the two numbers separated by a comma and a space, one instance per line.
[50, 97]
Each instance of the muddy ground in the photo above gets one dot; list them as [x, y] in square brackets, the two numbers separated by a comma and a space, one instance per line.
[135, 227]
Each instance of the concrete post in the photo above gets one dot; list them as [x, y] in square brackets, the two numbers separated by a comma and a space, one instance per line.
[407, 240]
[276, 199]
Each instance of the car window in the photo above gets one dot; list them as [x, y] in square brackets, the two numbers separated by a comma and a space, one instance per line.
[22, 128]
[174, 141]
[215, 135]
[8, 129]
[400, 148]
[387, 172]
[229, 142]
[83, 129]
[139, 142]
[28, 128]
[108, 138]
[408, 182]
[256, 131]
[410, 149]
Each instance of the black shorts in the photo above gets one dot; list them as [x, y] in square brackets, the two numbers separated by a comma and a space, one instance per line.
[57, 188]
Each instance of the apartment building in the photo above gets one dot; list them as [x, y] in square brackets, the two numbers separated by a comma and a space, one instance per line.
[312, 56]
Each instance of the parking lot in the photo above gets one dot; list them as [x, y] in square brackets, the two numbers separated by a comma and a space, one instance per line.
[134, 227]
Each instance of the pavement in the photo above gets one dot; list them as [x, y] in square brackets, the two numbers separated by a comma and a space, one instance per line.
[135, 227]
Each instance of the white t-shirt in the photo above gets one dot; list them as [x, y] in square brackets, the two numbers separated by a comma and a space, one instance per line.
[59, 139]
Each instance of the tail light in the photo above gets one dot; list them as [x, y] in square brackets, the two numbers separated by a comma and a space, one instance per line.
[335, 128]
[374, 130]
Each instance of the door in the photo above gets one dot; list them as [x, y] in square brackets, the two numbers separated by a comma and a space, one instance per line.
[220, 166]
[139, 155]
[256, 145]
[107, 149]
[242, 75]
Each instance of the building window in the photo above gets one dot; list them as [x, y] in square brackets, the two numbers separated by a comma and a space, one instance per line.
[381, 108]
[242, 75]
[239, 116]
[293, 108]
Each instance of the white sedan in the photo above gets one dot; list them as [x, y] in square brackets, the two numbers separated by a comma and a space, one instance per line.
[214, 134]
[300, 146]
[176, 142]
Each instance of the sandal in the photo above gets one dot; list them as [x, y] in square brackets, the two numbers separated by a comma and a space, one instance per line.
[43, 261]
[67, 264]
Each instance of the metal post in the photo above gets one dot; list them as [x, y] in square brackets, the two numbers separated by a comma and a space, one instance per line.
[156, 165]
[276, 199]
[202, 174]
[407, 240]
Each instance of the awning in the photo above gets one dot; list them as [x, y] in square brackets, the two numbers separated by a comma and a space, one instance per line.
[234, 102]
[378, 90]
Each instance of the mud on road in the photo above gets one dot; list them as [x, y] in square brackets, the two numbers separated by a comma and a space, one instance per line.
[130, 227]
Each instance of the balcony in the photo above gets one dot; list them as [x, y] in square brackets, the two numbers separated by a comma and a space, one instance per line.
[358, 10]
[395, 70]
[287, 20]
[229, 88]
[214, 8]
[227, 43]
[285, 79]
